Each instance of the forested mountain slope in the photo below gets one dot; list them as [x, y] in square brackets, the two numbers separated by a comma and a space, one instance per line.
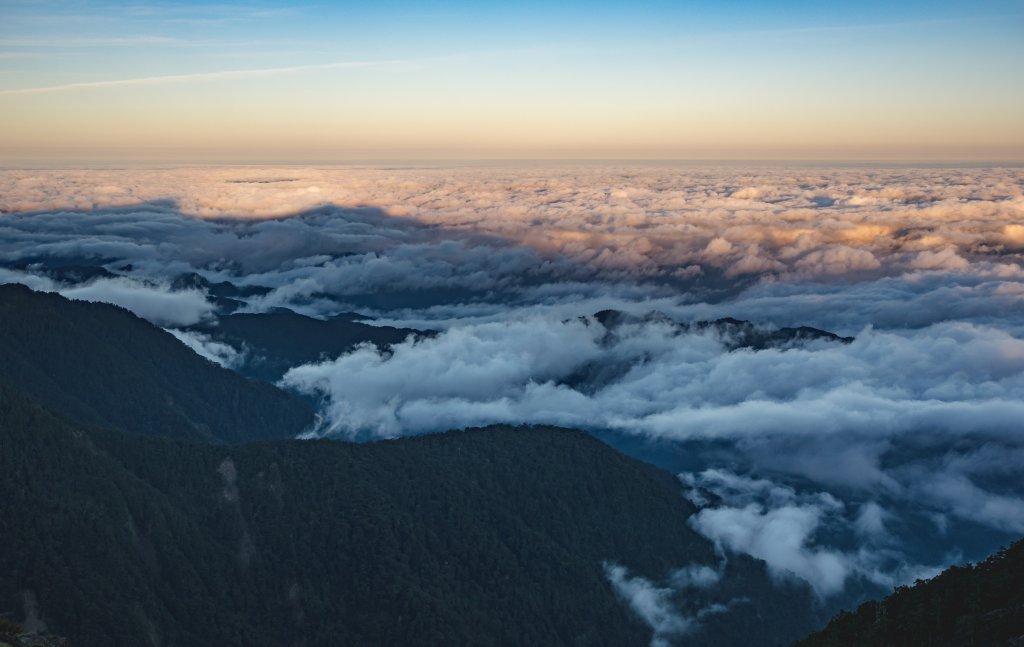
[493, 536]
[976, 604]
[104, 366]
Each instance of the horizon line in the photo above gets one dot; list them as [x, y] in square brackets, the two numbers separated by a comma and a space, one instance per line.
[469, 161]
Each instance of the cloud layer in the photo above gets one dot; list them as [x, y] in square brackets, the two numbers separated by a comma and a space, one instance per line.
[829, 461]
[845, 246]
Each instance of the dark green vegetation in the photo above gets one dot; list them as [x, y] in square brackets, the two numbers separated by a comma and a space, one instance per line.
[981, 604]
[102, 365]
[281, 339]
[493, 536]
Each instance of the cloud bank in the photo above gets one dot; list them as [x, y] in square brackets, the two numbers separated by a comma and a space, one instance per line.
[830, 461]
[840, 247]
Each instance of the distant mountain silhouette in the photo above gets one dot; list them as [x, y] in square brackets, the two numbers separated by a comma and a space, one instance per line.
[104, 366]
[736, 333]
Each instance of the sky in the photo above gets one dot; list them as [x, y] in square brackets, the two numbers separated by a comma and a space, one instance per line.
[337, 82]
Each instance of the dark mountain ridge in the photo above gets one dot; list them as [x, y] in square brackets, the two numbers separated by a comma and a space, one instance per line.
[735, 333]
[227, 296]
[275, 341]
[103, 365]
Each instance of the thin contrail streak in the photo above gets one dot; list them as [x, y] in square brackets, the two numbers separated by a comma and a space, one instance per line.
[197, 76]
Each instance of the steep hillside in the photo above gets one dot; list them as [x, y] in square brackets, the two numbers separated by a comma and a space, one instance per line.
[101, 364]
[976, 604]
[493, 536]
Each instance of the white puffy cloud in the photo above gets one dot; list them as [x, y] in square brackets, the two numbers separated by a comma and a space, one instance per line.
[955, 378]
[36, 282]
[205, 346]
[651, 603]
[800, 534]
[779, 536]
[657, 605]
[157, 303]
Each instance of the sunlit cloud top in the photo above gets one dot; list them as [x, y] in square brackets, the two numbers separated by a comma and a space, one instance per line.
[182, 81]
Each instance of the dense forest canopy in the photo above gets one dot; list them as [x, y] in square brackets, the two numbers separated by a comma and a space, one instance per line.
[491, 536]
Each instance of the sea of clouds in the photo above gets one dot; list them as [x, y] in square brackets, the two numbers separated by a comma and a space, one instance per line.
[878, 460]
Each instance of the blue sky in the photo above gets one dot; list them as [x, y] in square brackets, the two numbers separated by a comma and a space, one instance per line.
[931, 80]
